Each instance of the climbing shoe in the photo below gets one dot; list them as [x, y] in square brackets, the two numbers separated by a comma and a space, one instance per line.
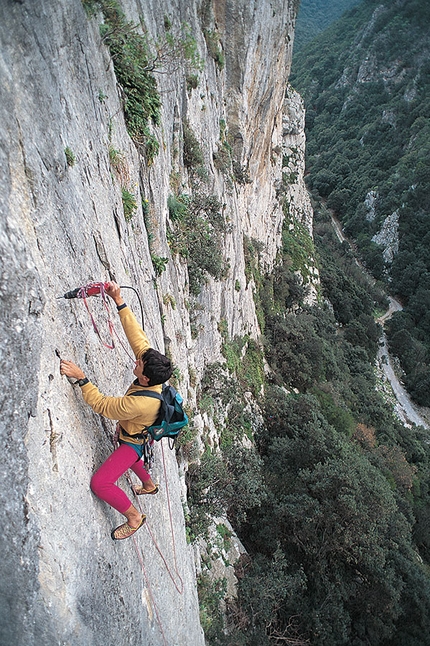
[140, 490]
[125, 531]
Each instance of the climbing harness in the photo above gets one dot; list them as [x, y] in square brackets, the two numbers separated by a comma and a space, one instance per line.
[147, 445]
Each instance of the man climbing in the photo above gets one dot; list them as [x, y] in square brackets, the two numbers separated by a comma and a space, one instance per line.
[134, 414]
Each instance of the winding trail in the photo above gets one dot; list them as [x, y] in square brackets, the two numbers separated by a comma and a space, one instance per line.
[394, 306]
[407, 412]
[405, 409]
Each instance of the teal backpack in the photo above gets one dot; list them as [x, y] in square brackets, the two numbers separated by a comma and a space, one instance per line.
[171, 417]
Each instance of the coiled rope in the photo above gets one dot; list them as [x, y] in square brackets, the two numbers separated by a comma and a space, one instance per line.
[85, 291]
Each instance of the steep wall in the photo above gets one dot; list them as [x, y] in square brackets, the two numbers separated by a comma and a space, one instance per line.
[64, 581]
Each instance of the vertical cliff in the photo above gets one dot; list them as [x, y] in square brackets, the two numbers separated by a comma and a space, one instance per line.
[81, 201]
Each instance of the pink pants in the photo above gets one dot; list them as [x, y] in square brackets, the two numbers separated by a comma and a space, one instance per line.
[103, 481]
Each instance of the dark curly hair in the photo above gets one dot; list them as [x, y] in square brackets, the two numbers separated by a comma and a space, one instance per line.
[158, 368]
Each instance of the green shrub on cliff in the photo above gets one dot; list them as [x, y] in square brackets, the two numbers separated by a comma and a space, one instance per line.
[136, 57]
[131, 59]
[196, 233]
[70, 156]
[129, 204]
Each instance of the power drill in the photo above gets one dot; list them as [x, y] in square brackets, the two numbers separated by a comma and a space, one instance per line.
[92, 289]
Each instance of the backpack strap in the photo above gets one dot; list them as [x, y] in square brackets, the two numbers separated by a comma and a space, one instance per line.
[143, 393]
[148, 393]
[166, 423]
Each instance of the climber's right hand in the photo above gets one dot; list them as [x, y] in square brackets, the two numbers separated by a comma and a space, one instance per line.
[114, 292]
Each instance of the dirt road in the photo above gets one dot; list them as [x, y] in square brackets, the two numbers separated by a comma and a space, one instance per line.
[405, 409]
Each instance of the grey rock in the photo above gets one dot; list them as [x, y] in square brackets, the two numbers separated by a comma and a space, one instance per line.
[64, 581]
[388, 237]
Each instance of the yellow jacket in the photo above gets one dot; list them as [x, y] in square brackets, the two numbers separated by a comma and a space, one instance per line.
[133, 413]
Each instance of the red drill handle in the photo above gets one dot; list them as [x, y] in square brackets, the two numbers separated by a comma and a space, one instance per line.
[92, 289]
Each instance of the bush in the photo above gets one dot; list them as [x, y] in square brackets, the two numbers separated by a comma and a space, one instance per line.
[131, 56]
[192, 152]
[70, 156]
[178, 207]
[159, 264]
[129, 204]
[214, 48]
[192, 82]
[196, 234]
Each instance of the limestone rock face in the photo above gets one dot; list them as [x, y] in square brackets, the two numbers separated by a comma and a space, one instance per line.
[388, 237]
[299, 209]
[294, 158]
[64, 581]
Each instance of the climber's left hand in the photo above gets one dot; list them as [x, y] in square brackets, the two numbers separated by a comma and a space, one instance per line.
[70, 369]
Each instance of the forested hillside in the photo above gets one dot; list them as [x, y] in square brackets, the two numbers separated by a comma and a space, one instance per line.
[366, 83]
[316, 15]
[332, 499]
[333, 502]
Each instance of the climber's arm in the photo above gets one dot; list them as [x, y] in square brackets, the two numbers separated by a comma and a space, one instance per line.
[136, 336]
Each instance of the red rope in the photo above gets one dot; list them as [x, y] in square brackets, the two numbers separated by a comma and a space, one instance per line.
[140, 553]
[179, 588]
[123, 346]
[140, 557]
[83, 293]
[171, 520]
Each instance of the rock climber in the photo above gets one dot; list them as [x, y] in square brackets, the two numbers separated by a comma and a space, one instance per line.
[134, 414]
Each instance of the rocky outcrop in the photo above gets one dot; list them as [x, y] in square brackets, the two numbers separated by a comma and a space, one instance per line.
[388, 237]
[62, 225]
[297, 206]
